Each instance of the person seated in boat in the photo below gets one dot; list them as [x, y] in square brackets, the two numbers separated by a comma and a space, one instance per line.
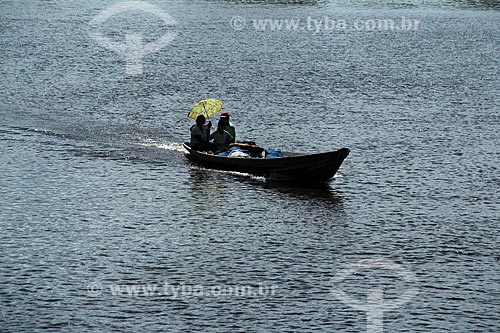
[221, 138]
[224, 116]
[199, 134]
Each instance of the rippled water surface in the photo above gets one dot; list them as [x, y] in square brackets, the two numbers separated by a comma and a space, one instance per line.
[97, 196]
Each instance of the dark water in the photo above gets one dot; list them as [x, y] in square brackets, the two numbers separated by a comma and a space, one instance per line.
[95, 191]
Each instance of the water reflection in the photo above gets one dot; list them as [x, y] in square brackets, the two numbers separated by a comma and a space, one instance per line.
[206, 183]
[204, 186]
[319, 192]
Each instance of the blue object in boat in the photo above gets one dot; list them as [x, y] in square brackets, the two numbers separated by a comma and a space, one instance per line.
[273, 153]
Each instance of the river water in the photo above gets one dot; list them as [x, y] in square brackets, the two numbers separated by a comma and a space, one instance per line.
[105, 227]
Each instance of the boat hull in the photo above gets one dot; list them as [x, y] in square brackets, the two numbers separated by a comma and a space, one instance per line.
[298, 168]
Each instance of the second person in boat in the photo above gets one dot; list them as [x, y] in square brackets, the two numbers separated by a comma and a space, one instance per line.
[224, 117]
[222, 138]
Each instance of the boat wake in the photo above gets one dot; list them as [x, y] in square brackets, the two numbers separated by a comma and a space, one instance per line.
[171, 146]
[248, 175]
[260, 179]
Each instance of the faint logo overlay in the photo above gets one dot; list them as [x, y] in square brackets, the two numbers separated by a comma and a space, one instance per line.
[134, 48]
[237, 23]
[375, 304]
[94, 289]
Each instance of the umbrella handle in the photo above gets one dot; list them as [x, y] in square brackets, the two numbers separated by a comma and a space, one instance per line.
[208, 117]
[206, 113]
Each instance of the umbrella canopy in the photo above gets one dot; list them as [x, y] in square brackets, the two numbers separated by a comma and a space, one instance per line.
[206, 107]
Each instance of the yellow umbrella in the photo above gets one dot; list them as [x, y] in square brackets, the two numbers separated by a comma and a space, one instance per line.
[206, 107]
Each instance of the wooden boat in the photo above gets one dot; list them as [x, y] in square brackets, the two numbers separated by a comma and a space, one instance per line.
[292, 167]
